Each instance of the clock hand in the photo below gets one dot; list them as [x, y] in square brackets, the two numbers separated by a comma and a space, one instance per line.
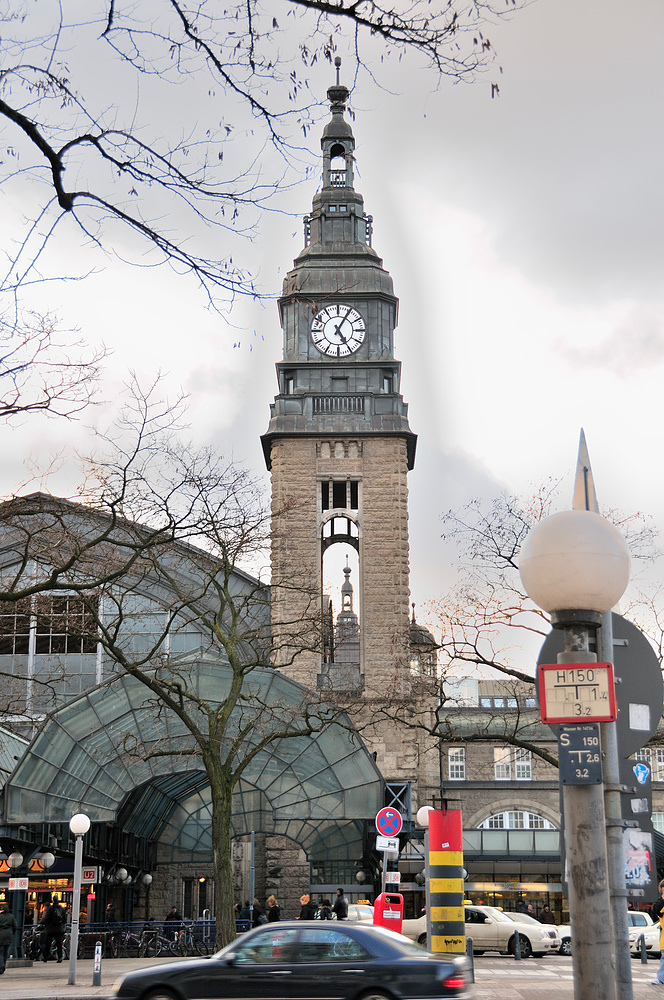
[337, 330]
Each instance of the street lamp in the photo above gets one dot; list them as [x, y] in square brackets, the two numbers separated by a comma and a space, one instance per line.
[423, 821]
[575, 565]
[79, 826]
[15, 859]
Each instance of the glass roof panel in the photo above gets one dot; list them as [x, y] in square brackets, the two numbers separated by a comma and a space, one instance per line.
[91, 755]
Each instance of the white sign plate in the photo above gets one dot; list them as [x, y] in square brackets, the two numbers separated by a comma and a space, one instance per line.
[17, 883]
[90, 875]
[387, 844]
[392, 878]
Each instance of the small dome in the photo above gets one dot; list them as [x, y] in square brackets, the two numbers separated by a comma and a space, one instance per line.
[419, 635]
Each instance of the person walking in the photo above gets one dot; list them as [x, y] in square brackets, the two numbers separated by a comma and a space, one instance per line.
[657, 914]
[8, 927]
[547, 916]
[273, 910]
[308, 909]
[326, 912]
[341, 906]
[53, 922]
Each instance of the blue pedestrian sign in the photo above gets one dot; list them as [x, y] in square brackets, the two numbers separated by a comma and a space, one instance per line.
[388, 822]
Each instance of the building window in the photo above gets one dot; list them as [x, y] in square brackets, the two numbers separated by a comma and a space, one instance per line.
[644, 755]
[387, 382]
[340, 495]
[456, 759]
[658, 822]
[659, 765]
[515, 761]
[502, 764]
[15, 627]
[517, 819]
[523, 764]
[62, 624]
[289, 383]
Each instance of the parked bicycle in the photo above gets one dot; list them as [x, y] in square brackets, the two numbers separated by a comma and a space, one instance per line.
[186, 943]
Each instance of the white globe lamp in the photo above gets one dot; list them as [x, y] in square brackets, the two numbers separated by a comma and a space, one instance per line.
[575, 561]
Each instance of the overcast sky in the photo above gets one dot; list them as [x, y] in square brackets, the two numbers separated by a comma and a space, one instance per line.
[524, 236]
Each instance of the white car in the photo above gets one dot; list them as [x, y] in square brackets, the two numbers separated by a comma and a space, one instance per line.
[639, 923]
[642, 923]
[493, 930]
[362, 912]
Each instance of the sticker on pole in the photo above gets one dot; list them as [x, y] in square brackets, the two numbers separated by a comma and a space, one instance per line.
[388, 822]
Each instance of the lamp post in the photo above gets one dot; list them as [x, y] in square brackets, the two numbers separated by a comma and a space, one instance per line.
[79, 826]
[575, 565]
[423, 821]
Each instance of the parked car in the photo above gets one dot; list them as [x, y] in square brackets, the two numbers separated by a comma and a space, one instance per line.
[362, 912]
[565, 935]
[642, 923]
[494, 930]
[415, 929]
[639, 923]
[341, 961]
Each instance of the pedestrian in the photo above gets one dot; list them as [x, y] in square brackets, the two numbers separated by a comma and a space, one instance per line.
[173, 917]
[529, 910]
[53, 923]
[8, 927]
[522, 906]
[326, 912]
[109, 916]
[657, 914]
[307, 908]
[547, 916]
[273, 910]
[341, 906]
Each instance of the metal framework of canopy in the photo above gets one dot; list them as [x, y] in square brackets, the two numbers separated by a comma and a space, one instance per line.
[99, 754]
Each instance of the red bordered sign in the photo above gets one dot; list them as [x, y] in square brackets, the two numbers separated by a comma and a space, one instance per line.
[577, 692]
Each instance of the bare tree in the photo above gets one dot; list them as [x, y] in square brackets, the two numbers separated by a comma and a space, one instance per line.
[42, 370]
[126, 118]
[489, 628]
[153, 558]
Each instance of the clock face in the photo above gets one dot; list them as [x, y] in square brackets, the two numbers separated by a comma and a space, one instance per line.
[337, 330]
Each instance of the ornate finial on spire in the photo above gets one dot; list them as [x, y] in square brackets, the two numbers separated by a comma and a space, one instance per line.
[338, 95]
[412, 620]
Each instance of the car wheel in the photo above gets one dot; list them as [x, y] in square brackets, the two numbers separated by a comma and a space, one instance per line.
[422, 939]
[376, 996]
[566, 946]
[161, 994]
[524, 944]
[477, 952]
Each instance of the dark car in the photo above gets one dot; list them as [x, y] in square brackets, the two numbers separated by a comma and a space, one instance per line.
[293, 961]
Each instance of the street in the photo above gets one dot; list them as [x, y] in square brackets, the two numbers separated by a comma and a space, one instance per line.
[496, 978]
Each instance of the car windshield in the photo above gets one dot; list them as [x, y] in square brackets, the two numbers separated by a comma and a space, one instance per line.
[496, 914]
[522, 918]
[638, 919]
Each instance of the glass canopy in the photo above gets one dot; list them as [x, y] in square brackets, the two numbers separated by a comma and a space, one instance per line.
[120, 756]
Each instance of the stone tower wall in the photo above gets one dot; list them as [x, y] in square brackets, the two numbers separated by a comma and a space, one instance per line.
[380, 465]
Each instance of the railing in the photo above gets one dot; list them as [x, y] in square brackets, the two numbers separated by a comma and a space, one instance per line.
[338, 404]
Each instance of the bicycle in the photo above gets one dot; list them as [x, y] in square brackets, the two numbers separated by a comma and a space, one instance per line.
[185, 943]
[152, 943]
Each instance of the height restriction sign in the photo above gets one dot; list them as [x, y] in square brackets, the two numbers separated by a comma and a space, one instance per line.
[388, 822]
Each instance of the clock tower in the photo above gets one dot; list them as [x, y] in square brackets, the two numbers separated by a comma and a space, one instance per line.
[338, 444]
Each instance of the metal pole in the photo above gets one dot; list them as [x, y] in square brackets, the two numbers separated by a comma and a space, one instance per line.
[614, 831]
[427, 886]
[585, 849]
[75, 909]
[252, 879]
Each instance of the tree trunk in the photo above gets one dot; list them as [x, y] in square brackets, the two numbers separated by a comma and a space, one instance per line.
[222, 806]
